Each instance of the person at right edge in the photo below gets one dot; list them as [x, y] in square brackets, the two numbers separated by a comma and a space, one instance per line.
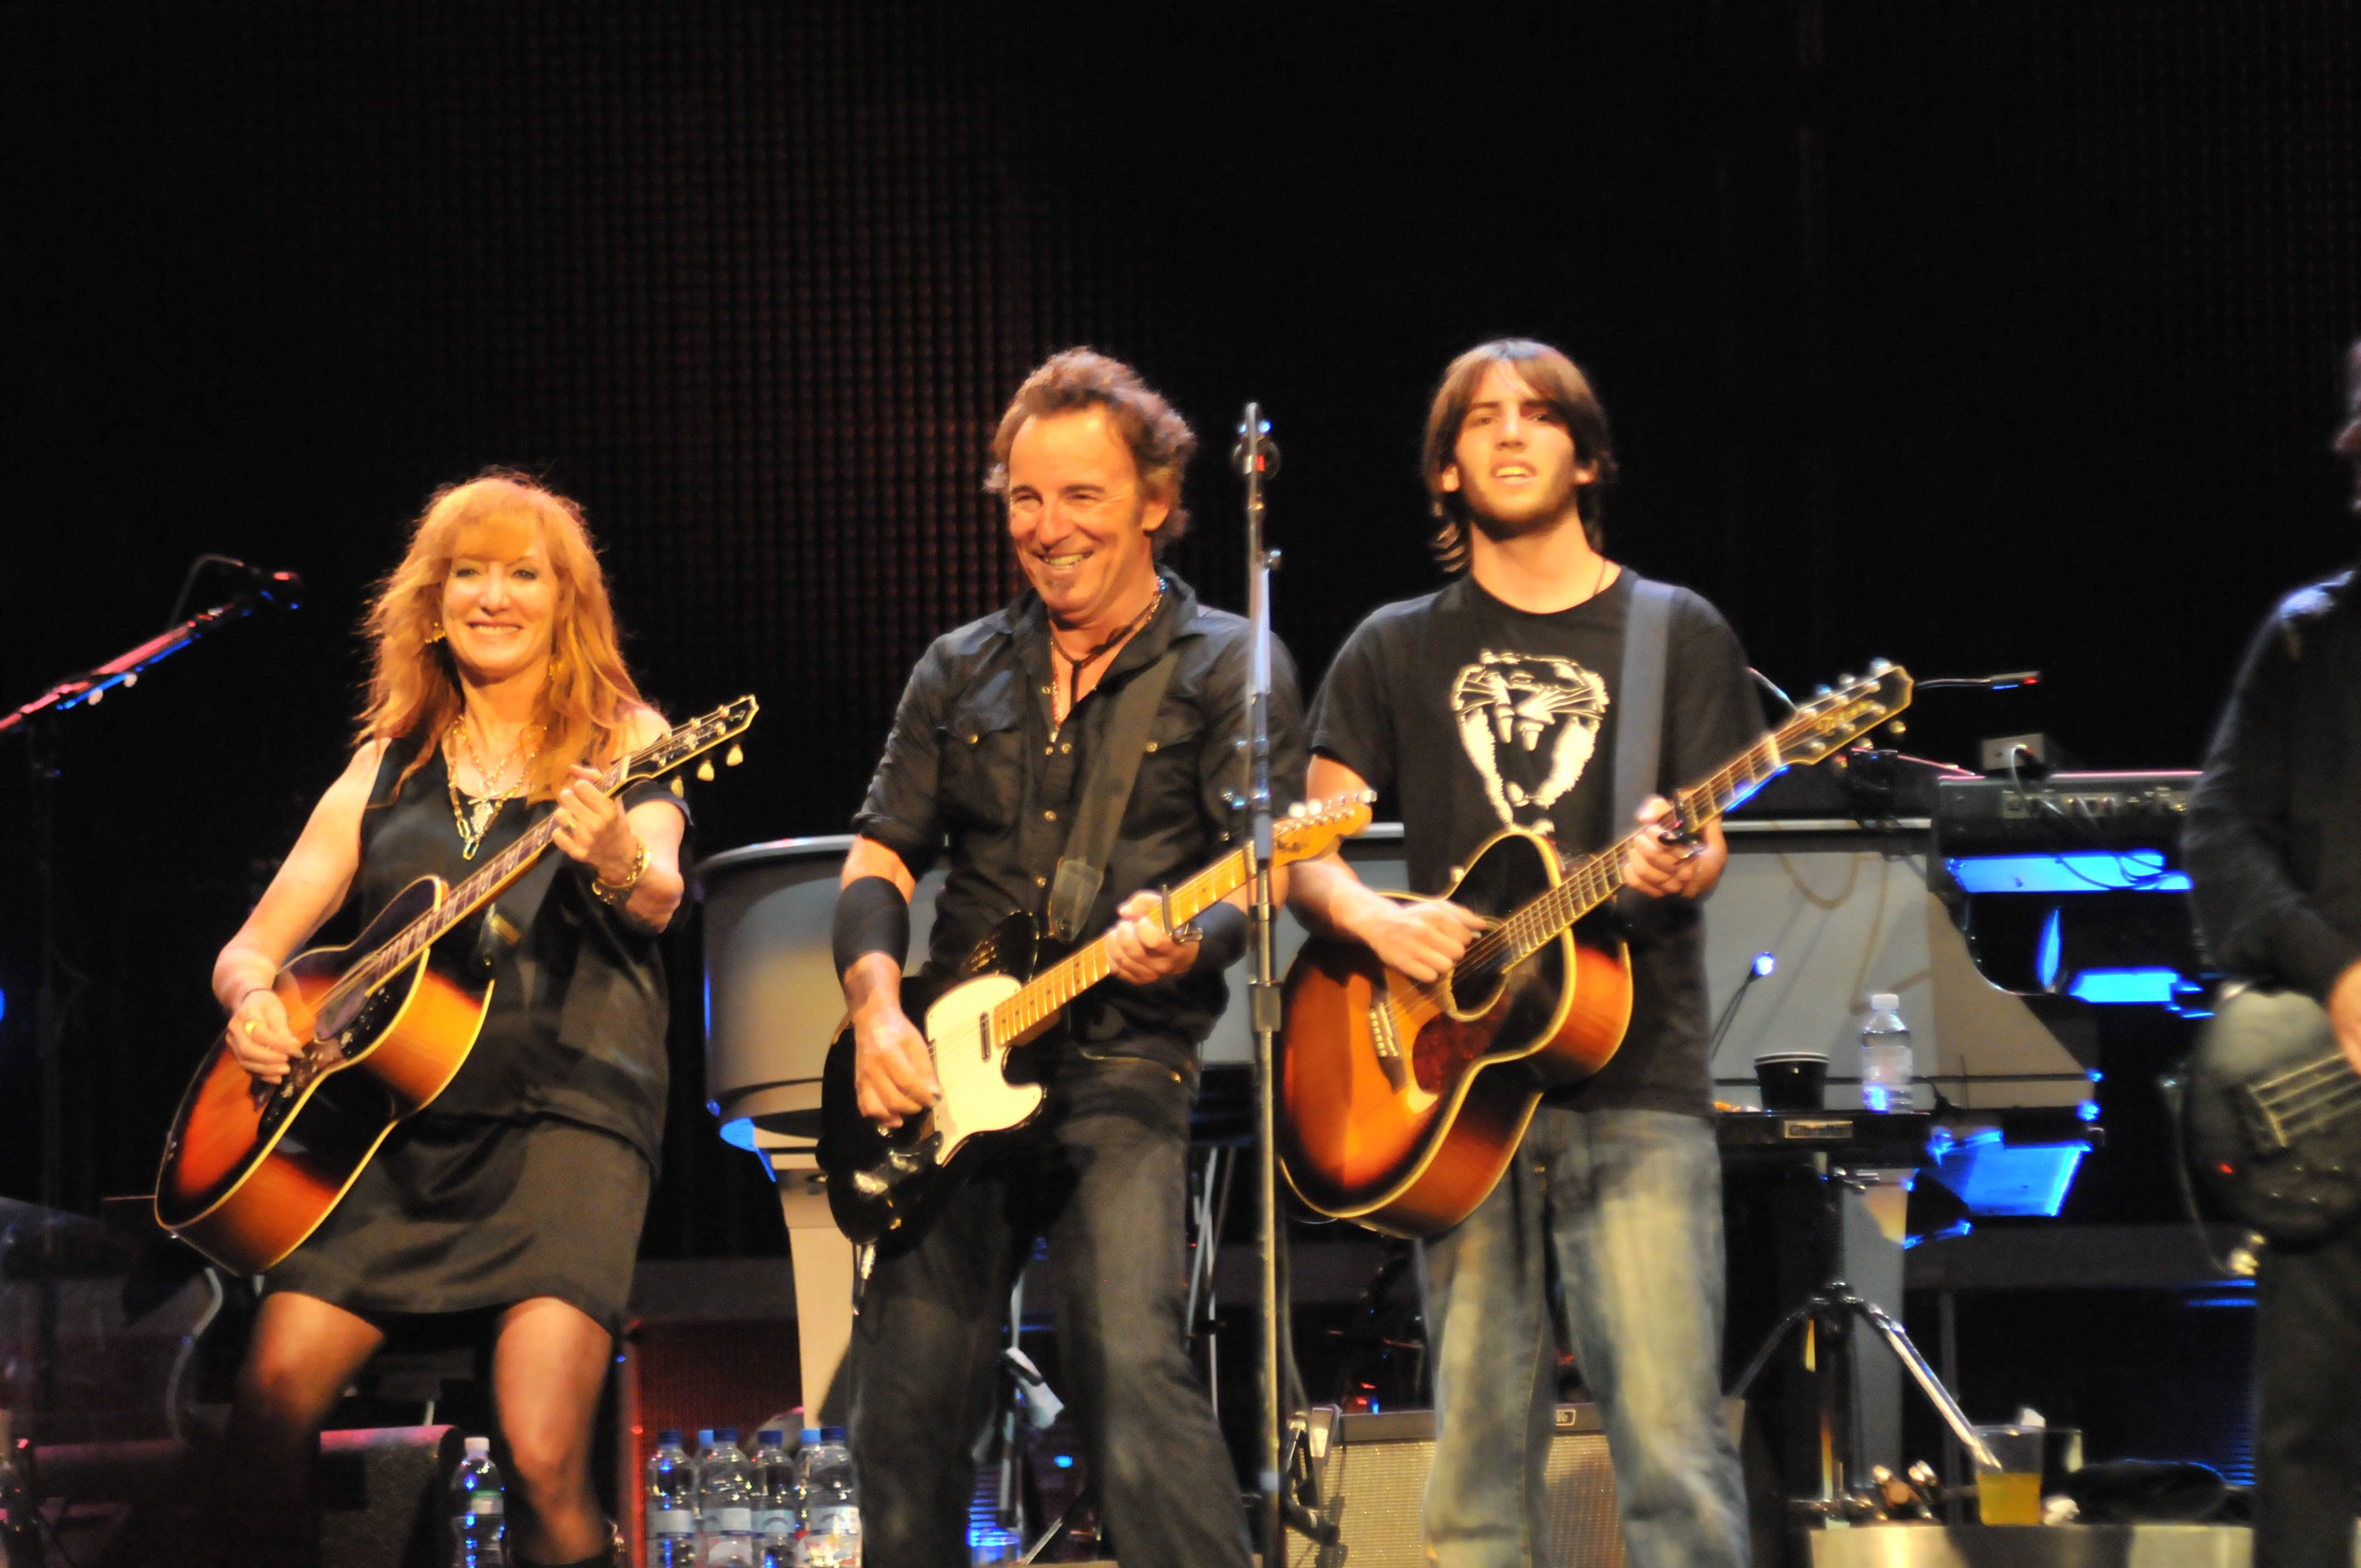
[2273, 848]
[1493, 703]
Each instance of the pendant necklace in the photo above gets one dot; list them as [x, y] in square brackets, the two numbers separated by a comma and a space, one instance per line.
[473, 821]
[1076, 663]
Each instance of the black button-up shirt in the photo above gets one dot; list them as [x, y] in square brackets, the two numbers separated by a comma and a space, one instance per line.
[2273, 842]
[973, 761]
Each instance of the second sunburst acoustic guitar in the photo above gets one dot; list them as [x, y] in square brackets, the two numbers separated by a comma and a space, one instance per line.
[1400, 1102]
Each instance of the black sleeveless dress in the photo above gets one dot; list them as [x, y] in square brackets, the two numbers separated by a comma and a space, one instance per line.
[528, 1175]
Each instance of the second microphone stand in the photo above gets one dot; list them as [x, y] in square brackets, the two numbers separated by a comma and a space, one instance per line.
[1256, 459]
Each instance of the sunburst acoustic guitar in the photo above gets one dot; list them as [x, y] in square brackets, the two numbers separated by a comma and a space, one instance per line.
[251, 1168]
[1400, 1102]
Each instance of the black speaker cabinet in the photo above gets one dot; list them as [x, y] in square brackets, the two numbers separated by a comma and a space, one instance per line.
[1373, 1474]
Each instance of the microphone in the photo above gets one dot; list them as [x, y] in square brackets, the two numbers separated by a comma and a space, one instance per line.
[2008, 680]
[280, 590]
[1255, 455]
[1762, 966]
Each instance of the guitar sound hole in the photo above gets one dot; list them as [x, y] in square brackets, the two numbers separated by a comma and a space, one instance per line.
[1445, 1050]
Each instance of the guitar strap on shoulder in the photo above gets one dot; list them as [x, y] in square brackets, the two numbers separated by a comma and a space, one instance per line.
[1106, 790]
[1640, 727]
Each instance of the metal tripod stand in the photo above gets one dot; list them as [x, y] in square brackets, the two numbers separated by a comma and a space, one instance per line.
[1828, 1316]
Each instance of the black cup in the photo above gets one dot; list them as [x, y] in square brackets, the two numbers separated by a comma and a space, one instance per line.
[1793, 1081]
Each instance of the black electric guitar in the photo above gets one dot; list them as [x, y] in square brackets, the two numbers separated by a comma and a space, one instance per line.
[2271, 1117]
[880, 1181]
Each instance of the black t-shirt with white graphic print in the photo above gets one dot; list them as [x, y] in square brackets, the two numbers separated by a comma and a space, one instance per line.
[1468, 714]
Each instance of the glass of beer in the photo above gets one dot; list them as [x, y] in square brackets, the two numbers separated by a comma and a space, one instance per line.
[2011, 1493]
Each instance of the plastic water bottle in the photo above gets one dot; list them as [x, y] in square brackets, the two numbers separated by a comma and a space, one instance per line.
[725, 1505]
[672, 1504]
[479, 1510]
[832, 1503]
[1885, 1066]
[779, 1515]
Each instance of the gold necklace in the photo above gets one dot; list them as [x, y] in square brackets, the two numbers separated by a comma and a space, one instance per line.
[473, 822]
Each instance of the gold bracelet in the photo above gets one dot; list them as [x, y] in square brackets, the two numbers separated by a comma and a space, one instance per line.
[617, 895]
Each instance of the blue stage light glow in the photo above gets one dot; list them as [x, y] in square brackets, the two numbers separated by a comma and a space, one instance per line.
[2078, 871]
[1995, 1178]
[1765, 965]
[2088, 1110]
[2045, 961]
[739, 1133]
[1064, 1461]
[4, 1005]
[2151, 987]
[1955, 1229]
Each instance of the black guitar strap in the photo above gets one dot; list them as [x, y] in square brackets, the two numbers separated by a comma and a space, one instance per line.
[1106, 790]
[1640, 727]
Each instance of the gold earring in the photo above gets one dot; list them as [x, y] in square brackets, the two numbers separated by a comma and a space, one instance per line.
[436, 635]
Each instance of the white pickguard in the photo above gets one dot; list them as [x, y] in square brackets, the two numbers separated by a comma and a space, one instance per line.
[977, 1096]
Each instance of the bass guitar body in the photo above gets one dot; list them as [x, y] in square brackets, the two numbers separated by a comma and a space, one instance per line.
[1402, 1103]
[2271, 1117]
[251, 1168]
[881, 1182]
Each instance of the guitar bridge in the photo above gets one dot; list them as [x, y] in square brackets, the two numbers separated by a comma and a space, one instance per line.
[1387, 1041]
[2264, 1129]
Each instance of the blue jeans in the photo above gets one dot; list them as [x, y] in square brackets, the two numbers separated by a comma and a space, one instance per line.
[1106, 1180]
[1629, 1203]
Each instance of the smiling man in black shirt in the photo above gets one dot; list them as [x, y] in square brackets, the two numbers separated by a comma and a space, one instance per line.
[2273, 847]
[990, 752]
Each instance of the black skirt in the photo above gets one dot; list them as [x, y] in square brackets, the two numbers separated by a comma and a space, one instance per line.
[457, 1214]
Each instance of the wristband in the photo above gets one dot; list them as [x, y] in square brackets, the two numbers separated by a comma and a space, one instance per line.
[1220, 936]
[872, 917]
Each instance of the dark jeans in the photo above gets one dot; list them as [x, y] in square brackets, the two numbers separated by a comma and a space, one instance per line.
[1105, 1179]
[2307, 1429]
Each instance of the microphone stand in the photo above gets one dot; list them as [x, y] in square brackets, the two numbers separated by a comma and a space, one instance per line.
[59, 984]
[1256, 457]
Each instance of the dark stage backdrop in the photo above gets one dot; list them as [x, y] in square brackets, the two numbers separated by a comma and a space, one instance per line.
[1979, 336]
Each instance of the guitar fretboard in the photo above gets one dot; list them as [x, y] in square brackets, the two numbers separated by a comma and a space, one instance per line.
[1594, 880]
[1055, 987]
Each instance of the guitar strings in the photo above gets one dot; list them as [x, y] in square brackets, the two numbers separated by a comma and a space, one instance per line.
[2331, 1104]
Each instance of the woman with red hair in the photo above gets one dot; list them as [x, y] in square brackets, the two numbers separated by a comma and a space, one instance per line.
[497, 691]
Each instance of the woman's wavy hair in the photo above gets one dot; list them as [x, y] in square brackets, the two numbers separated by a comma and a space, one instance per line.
[1561, 383]
[413, 686]
[1162, 442]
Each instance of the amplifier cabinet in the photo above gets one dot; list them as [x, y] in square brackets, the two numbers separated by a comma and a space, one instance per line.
[1373, 1474]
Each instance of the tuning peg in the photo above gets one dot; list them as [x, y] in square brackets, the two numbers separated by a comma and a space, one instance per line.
[1897, 728]
[1821, 691]
[705, 771]
[677, 788]
[1879, 666]
[732, 757]
[1298, 810]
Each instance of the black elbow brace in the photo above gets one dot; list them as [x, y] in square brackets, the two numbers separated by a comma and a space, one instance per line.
[872, 917]
[1220, 936]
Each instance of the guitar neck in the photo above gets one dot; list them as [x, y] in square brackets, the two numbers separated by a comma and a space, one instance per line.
[1057, 985]
[1595, 878]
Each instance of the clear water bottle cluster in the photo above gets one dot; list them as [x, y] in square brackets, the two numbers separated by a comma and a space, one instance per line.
[779, 1507]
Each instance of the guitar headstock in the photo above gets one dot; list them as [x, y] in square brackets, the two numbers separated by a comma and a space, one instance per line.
[1310, 829]
[1836, 718]
[693, 739]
